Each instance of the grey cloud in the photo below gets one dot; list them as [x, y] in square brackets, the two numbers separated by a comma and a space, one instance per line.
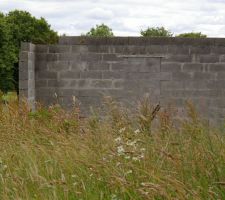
[127, 17]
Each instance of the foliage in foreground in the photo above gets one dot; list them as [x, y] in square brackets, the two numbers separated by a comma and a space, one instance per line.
[54, 154]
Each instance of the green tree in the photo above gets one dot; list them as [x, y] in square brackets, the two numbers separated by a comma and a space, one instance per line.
[156, 32]
[21, 26]
[192, 35]
[7, 56]
[101, 31]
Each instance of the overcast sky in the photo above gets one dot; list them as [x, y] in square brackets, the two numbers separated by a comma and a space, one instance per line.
[127, 17]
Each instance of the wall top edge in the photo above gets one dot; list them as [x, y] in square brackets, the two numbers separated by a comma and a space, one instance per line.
[82, 40]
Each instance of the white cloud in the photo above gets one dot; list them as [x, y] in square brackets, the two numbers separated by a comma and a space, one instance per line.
[127, 17]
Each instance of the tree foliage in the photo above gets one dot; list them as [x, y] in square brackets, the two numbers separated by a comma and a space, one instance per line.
[7, 56]
[100, 31]
[156, 32]
[192, 35]
[16, 27]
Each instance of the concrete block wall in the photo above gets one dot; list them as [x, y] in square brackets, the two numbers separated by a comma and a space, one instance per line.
[27, 74]
[171, 70]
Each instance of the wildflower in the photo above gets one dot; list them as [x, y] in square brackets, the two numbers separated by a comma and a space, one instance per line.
[136, 159]
[122, 130]
[114, 197]
[129, 172]
[127, 157]
[131, 143]
[120, 150]
[75, 183]
[137, 131]
[119, 139]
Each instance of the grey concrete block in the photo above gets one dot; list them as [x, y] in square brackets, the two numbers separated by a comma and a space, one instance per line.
[41, 48]
[69, 57]
[113, 75]
[148, 75]
[209, 58]
[80, 48]
[23, 75]
[91, 75]
[177, 58]
[218, 49]
[69, 75]
[96, 66]
[204, 76]
[220, 75]
[192, 67]
[41, 66]
[79, 66]
[91, 57]
[131, 49]
[23, 84]
[170, 67]
[111, 57]
[101, 84]
[64, 92]
[179, 76]
[217, 67]
[59, 49]
[156, 49]
[118, 83]
[59, 66]
[40, 57]
[25, 46]
[52, 83]
[83, 83]
[178, 49]
[195, 84]
[41, 83]
[119, 66]
[52, 57]
[46, 75]
[218, 84]
[46, 92]
[101, 48]
[91, 93]
[200, 50]
[169, 85]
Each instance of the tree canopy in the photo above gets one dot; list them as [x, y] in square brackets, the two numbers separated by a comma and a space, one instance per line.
[192, 35]
[100, 31]
[156, 32]
[16, 27]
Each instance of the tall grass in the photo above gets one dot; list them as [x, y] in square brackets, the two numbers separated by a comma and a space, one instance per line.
[54, 154]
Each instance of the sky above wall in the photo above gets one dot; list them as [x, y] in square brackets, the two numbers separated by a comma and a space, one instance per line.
[127, 17]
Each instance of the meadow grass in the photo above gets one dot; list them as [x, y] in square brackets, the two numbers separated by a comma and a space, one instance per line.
[56, 154]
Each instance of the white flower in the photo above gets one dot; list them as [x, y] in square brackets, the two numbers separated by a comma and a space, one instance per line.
[122, 130]
[137, 131]
[119, 139]
[129, 172]
[127, 157]
[120, 150]
[136, 159]
[131, 143]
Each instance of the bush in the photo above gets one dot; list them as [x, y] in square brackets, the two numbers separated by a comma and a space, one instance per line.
[156, 32]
